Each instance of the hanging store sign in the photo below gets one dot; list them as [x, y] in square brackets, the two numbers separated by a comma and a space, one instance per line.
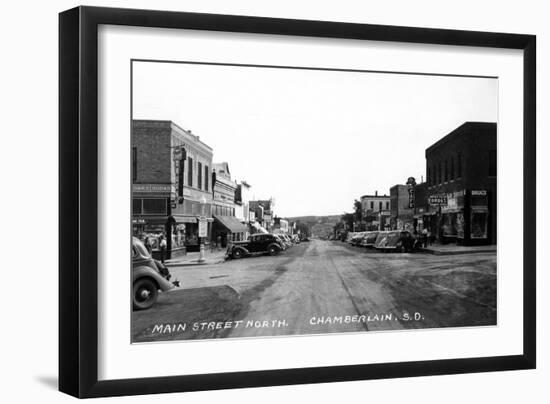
[203, 228]
[438, 200]
[479, 193]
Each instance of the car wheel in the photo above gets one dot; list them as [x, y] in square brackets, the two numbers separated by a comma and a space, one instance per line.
[237, 254]
[273, 250]
[145, 293]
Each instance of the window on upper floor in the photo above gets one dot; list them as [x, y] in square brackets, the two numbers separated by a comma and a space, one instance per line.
[452, 169]
[134, 163]
[199, 175]
[189, 172]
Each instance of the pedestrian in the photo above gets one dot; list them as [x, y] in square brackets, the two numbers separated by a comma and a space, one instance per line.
[162, 246]
[218, 241]
[425, 237]
[430, 238]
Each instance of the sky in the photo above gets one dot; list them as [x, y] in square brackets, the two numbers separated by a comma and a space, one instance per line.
[313, 140]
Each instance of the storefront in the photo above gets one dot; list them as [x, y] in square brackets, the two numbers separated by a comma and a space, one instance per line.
[460, 217]
[226, 229]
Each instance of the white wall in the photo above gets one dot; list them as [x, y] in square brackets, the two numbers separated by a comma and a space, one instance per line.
[28, 161]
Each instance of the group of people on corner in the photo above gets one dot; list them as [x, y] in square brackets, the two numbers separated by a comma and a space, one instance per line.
[162, 244]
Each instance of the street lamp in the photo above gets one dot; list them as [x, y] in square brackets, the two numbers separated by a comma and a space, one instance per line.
[202, 222]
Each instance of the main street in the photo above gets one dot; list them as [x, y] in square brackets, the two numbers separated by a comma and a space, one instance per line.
[323, 287]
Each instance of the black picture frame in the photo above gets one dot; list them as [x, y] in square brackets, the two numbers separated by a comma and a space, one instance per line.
[78, 195]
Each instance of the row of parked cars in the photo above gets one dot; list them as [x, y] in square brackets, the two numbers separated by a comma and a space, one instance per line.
[261, 243]
[393, 240]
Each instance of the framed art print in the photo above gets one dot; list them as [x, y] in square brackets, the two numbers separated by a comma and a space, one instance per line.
[250, 201]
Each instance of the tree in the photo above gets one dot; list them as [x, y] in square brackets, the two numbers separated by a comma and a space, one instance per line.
[303, 228]
[358, 210]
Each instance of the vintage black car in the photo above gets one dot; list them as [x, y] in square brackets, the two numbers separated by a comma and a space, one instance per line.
[396, 240]
[148, 276]
[255, 245]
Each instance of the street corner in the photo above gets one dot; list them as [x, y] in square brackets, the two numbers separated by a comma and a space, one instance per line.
[176, 312]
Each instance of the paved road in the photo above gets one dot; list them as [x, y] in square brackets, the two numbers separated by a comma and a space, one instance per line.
[322, 287]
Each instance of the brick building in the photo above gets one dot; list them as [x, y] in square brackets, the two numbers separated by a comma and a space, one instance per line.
[402, 207]
[459, 201]
[171, 185]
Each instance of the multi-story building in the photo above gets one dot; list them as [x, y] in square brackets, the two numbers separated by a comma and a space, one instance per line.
[242, 205]
[402, 207]
[280, 226]
[264, 213]
[376, 211]
[242, 201]
[171, 185]
[226, 226]
[461, 185]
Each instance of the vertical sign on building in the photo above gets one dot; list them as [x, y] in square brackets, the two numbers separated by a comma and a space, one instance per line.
[411, 198]
[203, 227]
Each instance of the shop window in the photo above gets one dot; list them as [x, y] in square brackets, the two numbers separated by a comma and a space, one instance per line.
[478, 224]
[449, 225]
[136, 206]
[154, 206]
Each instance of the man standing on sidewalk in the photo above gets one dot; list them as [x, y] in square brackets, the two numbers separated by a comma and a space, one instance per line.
[424, 237]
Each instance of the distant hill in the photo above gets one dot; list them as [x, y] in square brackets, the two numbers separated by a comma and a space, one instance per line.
[316, 219]
[320, 226]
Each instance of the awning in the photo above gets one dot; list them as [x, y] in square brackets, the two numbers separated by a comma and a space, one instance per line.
[231, 223]
[185, 219]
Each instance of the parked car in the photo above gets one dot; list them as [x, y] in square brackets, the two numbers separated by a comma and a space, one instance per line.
[281, 240]
[397, 240]
[287, 240]
[369, 239]
[255, 245]
[357, 238]
[148, 277]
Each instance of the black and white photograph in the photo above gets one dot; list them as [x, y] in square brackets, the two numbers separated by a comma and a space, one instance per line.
[272, 201]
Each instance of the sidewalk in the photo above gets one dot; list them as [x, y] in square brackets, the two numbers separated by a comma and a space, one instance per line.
[450, 249]
[192, 258]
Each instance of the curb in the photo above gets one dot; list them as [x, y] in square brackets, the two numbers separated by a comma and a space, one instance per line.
[435, 252]
[192, 263]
